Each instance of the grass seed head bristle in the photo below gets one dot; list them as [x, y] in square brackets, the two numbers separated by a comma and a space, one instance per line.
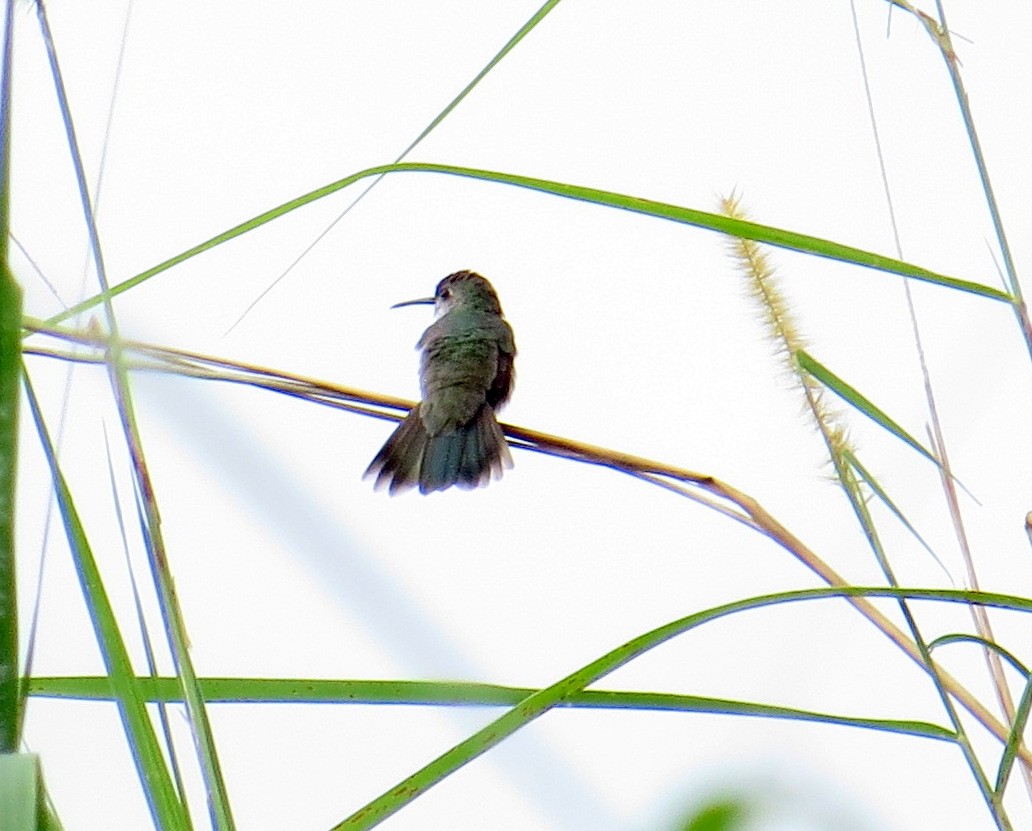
[761, 282]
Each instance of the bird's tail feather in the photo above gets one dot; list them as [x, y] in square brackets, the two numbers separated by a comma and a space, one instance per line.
[467, 457]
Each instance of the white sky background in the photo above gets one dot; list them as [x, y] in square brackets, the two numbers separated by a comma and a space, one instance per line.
[633, 333]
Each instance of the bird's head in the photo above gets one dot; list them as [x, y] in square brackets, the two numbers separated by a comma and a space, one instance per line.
[463, 289]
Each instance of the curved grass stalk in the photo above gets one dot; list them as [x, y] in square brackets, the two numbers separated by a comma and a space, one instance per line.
[541, 701]
[813, 379]
[521, 33]
[940, 35]
[688, 483]
[659, 210]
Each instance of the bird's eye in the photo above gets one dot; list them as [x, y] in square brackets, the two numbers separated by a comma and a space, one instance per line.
[445, 294]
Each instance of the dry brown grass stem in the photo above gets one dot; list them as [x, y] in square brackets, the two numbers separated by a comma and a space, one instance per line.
[703, 487]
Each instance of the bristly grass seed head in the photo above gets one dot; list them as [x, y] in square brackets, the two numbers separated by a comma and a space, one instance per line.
[761, 282]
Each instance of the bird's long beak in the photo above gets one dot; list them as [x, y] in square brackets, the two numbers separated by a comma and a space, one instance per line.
[423, 301]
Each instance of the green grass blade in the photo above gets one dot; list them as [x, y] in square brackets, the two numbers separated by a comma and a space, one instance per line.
[660, 210]
[10, 376]
[850, 458]
[168, 812]
[193, 697]
[1017, 730]
[6, 64]
[1010, 752]
[217, 795]
[963, 637]
[540, 702]
[851, 396]
[451, 694]
[141, 622]
[523, 31]
[10, 373]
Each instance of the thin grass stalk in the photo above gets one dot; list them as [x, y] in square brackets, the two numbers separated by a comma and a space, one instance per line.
[523, 31]
[1014, 716]
[944, 41]
[148, 646]
[939, 32]
[785, 335]
[217, 795]
[851, 487]
[540, 702]
[168, 812]
[1010, 753]
[728, 499]
[995, 806]
[648, 207]
[941, 36]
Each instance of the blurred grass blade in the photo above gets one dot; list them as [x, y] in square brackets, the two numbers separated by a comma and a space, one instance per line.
[168, 812]
[10, 371]
[10, 374]
[832, 382]
[659, 210]
[21, 797]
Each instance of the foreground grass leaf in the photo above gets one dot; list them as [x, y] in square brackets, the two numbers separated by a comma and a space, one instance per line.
[10, 375]
[168, 812]
[21, 802]
[10, 372]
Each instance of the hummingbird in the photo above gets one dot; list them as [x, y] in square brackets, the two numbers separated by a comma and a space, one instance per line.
[466, 372]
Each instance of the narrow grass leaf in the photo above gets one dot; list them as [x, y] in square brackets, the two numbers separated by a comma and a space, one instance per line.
[850, 395]
[453, 694]
[217, 796]
[963, 637]
[523, 31]
[541, 701]
[141, 622]
[660, 210]
[1010, 751]
[168, 812]
[850, 458]
[193, 697]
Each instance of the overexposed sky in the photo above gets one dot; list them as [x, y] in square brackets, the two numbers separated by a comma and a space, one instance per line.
[633, 333]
